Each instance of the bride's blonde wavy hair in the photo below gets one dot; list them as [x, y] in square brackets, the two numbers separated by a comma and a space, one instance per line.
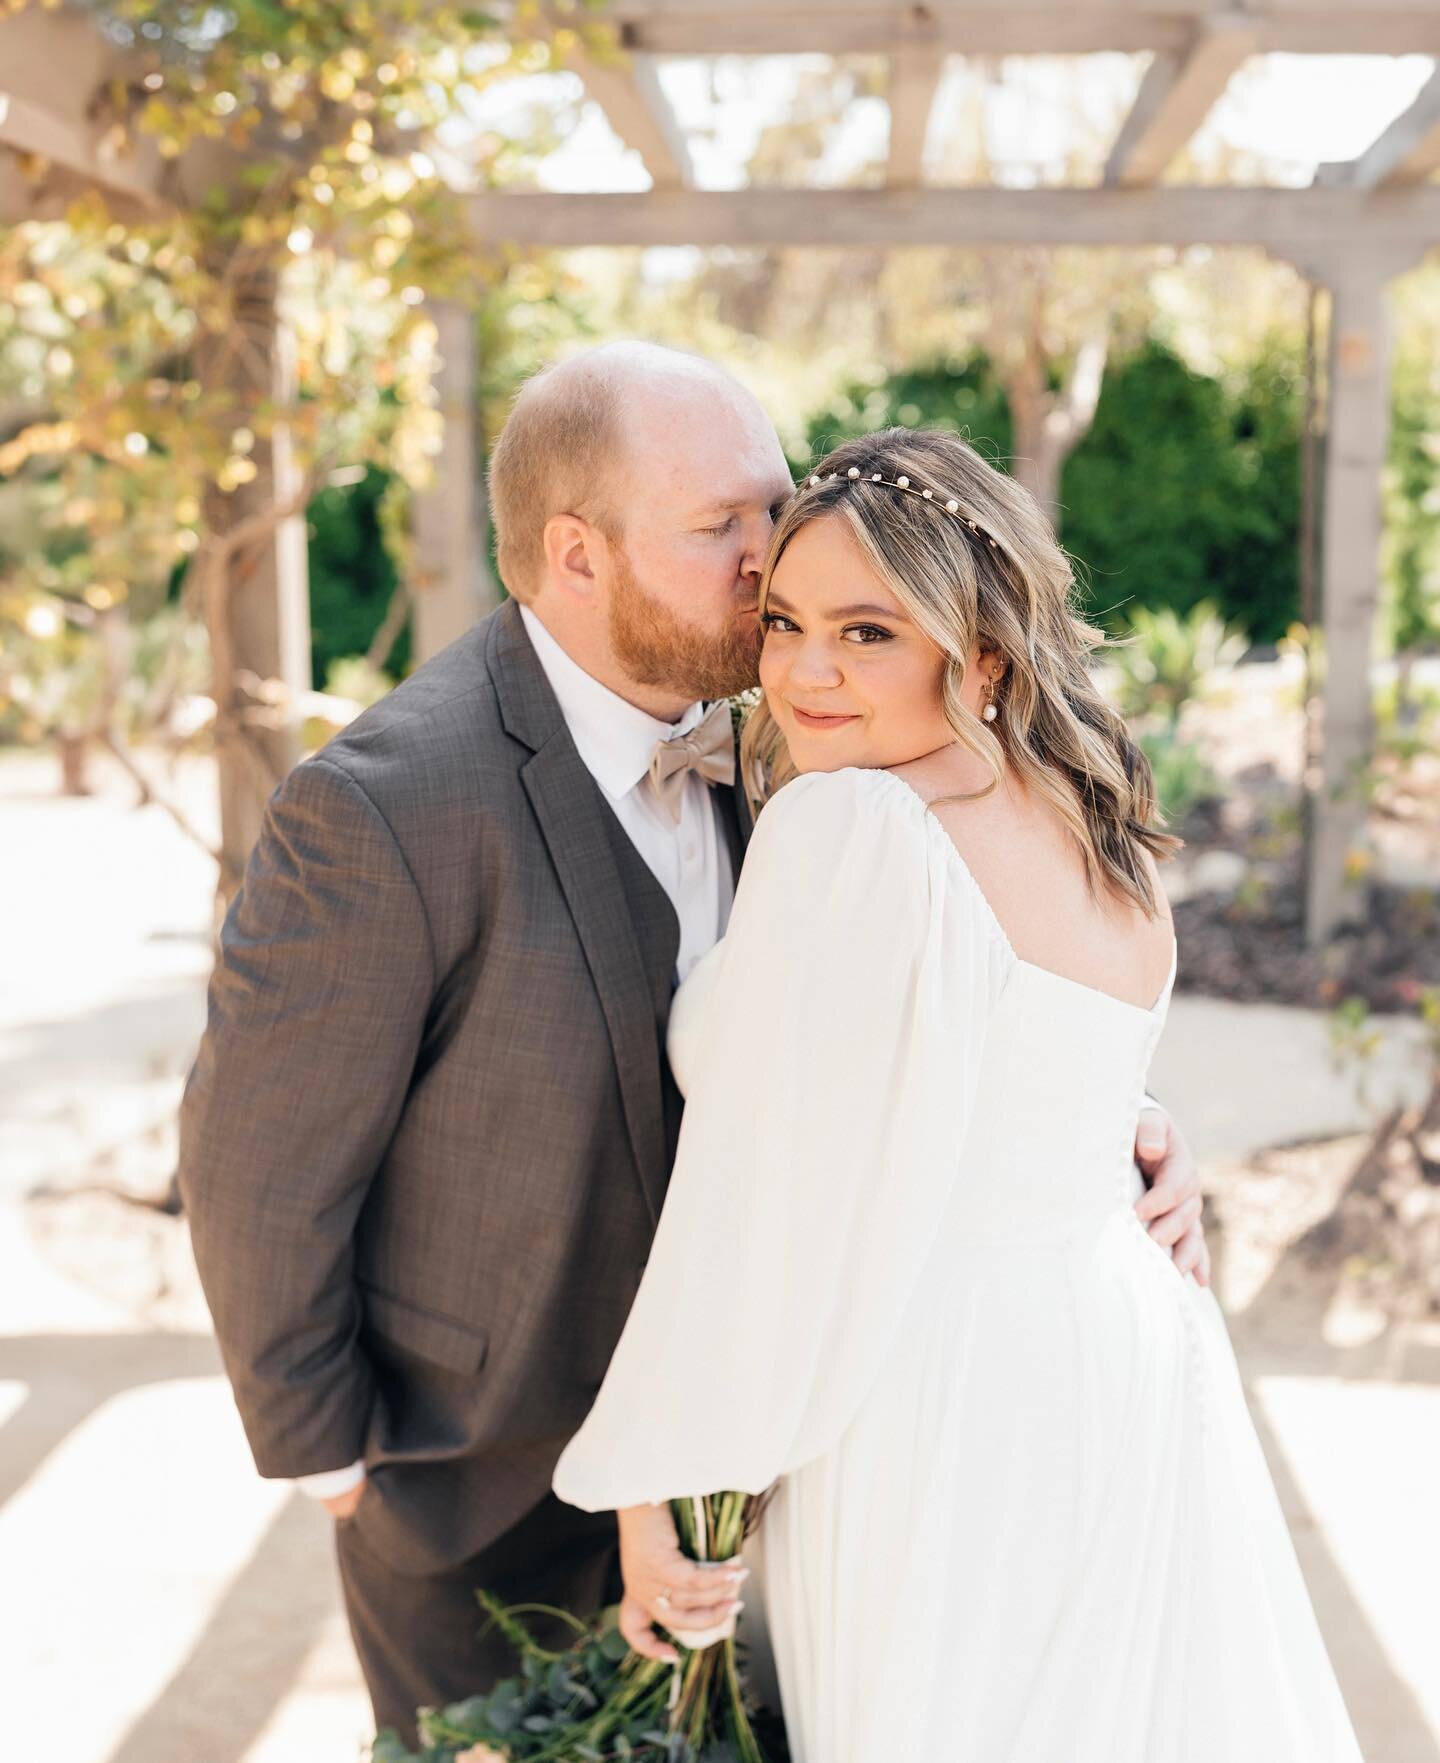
[1016, 597]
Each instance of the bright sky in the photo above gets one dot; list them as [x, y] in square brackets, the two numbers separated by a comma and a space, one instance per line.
[1282, 115]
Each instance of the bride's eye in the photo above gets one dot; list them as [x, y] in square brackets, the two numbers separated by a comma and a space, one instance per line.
[869, 633]
[774, 621]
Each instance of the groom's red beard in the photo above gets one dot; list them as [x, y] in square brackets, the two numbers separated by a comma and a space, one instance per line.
[656, 649]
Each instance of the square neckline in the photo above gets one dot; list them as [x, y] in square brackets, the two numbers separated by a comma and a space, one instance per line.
[1063, 979]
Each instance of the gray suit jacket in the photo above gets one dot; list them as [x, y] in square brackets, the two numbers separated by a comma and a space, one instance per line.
[429, 1130]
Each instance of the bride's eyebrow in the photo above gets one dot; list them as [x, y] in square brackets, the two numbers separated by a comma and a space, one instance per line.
[773, 602]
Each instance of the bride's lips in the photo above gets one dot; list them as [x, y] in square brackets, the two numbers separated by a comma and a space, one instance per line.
[820, 720]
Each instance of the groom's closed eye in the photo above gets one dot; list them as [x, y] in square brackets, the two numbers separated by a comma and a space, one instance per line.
[772, 513]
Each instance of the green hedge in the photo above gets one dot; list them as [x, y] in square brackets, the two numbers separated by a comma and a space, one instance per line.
[1183, 490]
[352, 575]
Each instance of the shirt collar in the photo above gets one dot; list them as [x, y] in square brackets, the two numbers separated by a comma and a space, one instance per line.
[615, 739]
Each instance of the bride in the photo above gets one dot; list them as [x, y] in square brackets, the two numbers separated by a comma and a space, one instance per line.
[1020, 1513]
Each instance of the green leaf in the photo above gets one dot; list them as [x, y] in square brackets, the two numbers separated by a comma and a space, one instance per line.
[503, 1705]
[614, 1645]
[469, 1713]
[388, 1748]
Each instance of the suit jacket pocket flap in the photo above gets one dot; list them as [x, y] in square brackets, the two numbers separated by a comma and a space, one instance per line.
[458, 1346]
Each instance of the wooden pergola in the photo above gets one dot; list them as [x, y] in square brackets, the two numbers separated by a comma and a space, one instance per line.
[1359, 224]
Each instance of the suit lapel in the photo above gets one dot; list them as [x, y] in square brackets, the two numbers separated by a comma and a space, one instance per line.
[623, 931]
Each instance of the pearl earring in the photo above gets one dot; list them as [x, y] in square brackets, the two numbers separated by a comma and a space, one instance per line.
[990, 711]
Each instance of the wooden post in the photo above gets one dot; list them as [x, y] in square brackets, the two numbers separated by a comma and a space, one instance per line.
[257, 601]
[451, 584]
[1358, 416]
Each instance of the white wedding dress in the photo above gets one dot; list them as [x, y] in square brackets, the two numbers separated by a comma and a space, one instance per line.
[1023, 1515]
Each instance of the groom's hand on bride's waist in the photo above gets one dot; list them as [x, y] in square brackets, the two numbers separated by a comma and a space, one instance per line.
[1171, 1205]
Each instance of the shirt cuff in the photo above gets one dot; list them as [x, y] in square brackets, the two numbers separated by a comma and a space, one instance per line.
[329, 1484]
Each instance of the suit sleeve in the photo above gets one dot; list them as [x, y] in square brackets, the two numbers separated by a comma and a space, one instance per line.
[831, 1080]
[316, 1012]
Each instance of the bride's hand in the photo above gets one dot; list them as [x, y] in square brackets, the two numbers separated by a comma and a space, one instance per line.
[663, 1585]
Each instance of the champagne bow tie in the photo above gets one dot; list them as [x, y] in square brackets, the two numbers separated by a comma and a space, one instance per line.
[708, 750]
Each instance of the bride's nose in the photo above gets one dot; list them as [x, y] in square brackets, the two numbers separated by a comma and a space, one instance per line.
[815, 665]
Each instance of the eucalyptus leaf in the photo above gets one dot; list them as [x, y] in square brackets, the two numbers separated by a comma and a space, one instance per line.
[503, 1706]
[614, 1645]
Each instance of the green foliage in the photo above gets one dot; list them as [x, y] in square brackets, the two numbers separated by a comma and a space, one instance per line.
[52, 675]
[1183, 780]
[1167, 657]
[960, 397]
[352, 576]
[596, 1702]
[130, 346]
[1355, 1041]
[1407, 720]
[357, 678]
[1184, 491]
[1412, 505]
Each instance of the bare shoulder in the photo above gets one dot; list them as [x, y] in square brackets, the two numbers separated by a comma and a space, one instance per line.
[1163, 914]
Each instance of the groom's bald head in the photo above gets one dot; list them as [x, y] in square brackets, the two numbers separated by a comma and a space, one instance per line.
[577, 432]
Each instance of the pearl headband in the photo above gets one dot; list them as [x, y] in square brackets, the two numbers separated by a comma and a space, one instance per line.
[903, 483]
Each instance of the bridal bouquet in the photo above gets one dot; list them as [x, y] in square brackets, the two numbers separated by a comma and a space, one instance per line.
[597, 1702]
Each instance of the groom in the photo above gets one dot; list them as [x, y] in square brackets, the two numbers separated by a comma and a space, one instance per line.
[428, 1134]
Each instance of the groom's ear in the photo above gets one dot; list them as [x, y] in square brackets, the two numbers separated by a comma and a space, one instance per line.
[573, 554]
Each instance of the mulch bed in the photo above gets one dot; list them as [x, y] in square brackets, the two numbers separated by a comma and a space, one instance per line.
[1255, 951]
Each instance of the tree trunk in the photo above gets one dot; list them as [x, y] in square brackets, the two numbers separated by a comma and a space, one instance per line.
[254, 591]
[74, 754]
[1037, 458]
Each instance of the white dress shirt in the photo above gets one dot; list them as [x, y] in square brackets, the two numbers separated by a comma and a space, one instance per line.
[691, 861]
[616, 741]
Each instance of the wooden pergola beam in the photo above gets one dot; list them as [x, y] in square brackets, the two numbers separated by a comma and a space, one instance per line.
[798, 27]
[1406, 153]
[52, 66]
[915, 74]
[627, 88]
[1288, 222]
[73, 146]
[1176, 95]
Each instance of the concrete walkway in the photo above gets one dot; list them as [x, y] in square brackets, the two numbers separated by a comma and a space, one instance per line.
[164, 1605]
